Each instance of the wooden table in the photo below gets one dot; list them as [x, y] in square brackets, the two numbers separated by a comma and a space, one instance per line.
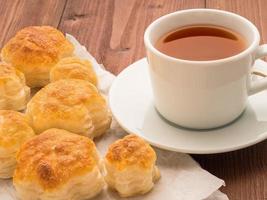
[112, 30]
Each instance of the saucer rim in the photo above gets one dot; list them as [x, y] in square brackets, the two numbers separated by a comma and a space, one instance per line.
[249, 143]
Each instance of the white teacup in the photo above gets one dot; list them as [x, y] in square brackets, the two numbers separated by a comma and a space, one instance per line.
[203, 94]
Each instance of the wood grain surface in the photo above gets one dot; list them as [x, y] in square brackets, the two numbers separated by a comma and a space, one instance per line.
[112, 30]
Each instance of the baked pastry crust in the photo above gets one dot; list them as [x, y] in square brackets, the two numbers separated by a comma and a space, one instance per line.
[70, 104]
[73, 68]
[58, 165]
[130, 166]
[14, 94]
[14, 131]
[34, 50]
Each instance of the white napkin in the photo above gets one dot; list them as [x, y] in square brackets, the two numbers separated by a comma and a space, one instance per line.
[181, 177]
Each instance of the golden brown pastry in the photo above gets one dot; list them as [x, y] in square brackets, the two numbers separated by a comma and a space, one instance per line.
[130, 166]
[14, 94]
[70, 104]
[58, 165]
[14, 131]
[34, 50]
[73, 68]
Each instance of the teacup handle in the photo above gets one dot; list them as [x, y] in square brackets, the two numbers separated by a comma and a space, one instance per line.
[258, 86]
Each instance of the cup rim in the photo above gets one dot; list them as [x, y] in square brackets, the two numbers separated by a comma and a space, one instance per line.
[249, 49]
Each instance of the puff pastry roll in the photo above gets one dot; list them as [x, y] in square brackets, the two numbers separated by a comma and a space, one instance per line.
[70, 104]
[130, 166]
[14, 131]
[34, 50]
[58, 165]
[73, 68]
[14, 94]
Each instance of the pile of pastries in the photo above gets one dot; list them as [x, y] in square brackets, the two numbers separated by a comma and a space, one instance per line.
[46, 142]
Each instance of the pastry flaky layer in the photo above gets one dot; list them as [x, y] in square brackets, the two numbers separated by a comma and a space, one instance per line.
[73, 68]
[130, 166]
[34, 50]
[14, 131]
[60, 165]
[14, 94]
[70, 104]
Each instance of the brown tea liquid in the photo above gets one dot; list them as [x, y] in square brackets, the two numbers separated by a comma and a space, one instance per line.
[201, 42]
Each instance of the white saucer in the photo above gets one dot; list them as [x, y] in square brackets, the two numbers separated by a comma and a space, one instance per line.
[131, 103]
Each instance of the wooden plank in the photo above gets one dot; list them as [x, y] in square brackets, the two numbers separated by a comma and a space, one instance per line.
[7, 11]
[20, 13]
[244, 171]
[255, 11]
[113, 30]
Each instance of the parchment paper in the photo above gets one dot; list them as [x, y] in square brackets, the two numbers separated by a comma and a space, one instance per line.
[181, 177]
